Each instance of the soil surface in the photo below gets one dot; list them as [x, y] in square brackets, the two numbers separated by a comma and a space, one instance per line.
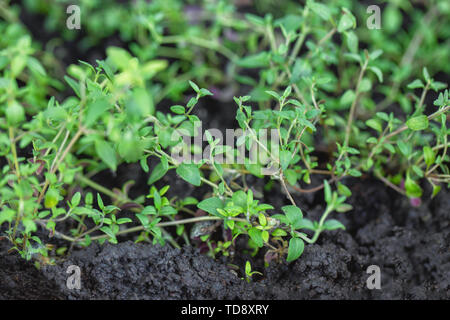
[410, 245]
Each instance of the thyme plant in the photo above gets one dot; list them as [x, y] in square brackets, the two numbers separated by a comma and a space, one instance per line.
[314, 75]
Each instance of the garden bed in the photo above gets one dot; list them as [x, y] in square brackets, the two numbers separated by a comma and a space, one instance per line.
[390, 167]
[410, 245]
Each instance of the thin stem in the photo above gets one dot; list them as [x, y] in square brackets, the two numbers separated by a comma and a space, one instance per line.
[14, 151]
[60, 149]
[353, 107]
[53, 170]
[318, 230]
[202, 43]
[142, 228]
[430, 117]
[81, 178]
[286, 190]
[389, 184]
[322, 41]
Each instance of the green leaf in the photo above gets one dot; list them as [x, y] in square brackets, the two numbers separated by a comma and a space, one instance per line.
[144, 164]
[194, 86]
[343, 190]
[149, 69]
[354, 173]
[327, 191]
[344, 207]
[333, 224]
[124, 220]
[205, 92]
[168, 211]
[255, 19]
[377, 72]
[95, 110]
[426, 75]
[75, 199]
[293, 213]
[130, 147]
[320, 9]
[35, 66]
[189, 173]
[7, 215]
[239, 198]
[437, 86]
[347, 98]
[389, 147]
[211, 205]
[148, 210]
[100, 202]
[374, 124]
[29, 224]
[439, 101]
[109, 232]
[74, 85]
[296, 247]
[51, 198]
[392, 18]
[249, 197]
[273, 94]
[365, 85]
[347, 21]
[157, 199]
[413, 190]
[304, 224]
[352, 41]
[279, 233]
[375, 54]
[291, 176]
[429, 155]
[159, 171]
[417, 171]
[119, 57]
[417, 123]
[256, 236]
[107, 153]
[353, 56]
[285, 159]
[415, 84]
[177, 109]
[404, 148]
[15, 113]
[18, 64]
[436, 190]
[259, 60]
[248, 268]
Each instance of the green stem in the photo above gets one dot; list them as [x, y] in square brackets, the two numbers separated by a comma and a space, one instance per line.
[202, 43]
[14, 152]
[142, 228]
[101, 188]
[353, 107]
[318, 230]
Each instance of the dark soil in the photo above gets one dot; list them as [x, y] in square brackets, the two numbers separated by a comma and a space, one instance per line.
[410, 245]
